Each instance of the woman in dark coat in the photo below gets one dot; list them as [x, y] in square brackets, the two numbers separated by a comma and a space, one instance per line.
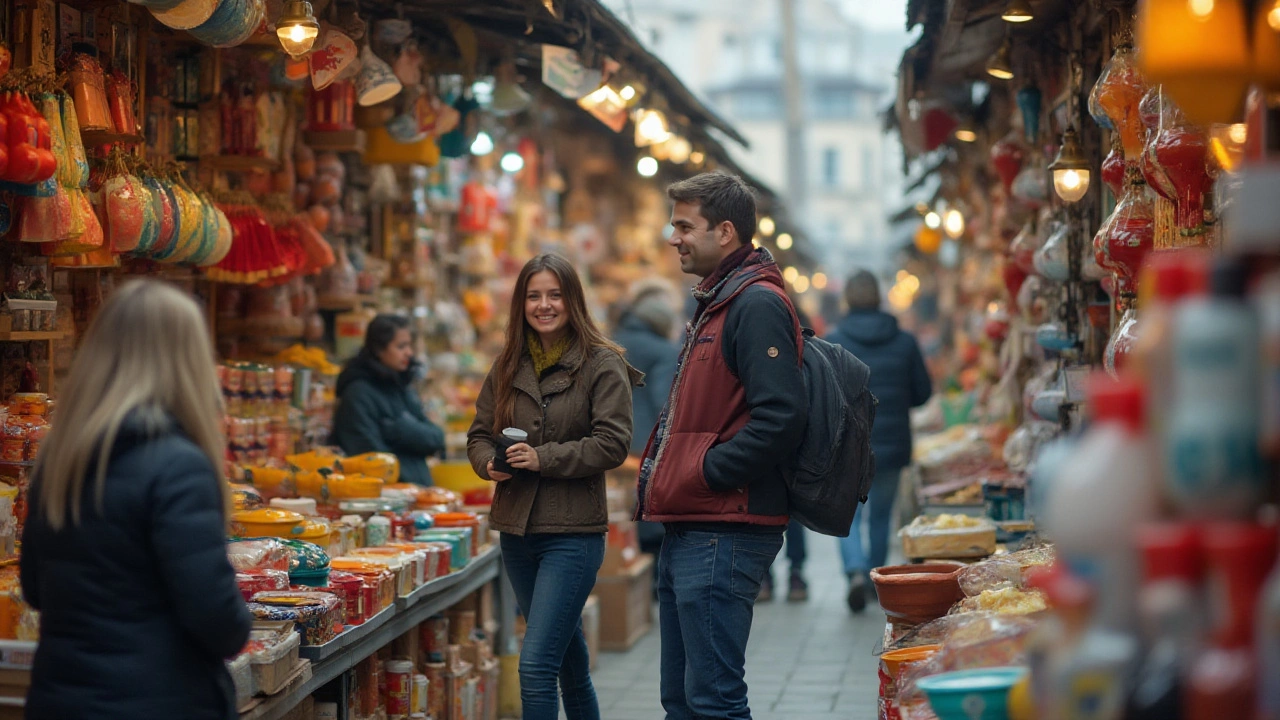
[378, 410]
[124, 550]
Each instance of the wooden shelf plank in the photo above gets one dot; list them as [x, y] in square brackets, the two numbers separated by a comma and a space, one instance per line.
[31, 336]
[97, 138]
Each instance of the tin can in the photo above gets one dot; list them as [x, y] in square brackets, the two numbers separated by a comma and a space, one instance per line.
[399, 688]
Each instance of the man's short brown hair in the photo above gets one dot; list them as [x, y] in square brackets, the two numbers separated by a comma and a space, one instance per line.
[722, 197]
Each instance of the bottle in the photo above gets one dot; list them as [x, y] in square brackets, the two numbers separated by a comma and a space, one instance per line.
[1169, 278]
[1266, 299]
[1054, 641]
[1211, 457]
[1097, 500]
[1223, 682]
[377, 531]
[1169, 610]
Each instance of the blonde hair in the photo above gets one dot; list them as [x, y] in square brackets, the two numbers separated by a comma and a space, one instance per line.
[147, 351]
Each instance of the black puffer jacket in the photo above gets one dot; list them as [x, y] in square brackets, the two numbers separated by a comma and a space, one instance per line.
[139, 605]
[899, 380]
[378, 411]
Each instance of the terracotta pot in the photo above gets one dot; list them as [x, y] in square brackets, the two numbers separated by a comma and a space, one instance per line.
[918, 593]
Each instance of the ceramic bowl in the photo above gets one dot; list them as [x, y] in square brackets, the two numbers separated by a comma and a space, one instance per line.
[981, 694]
[917, 593]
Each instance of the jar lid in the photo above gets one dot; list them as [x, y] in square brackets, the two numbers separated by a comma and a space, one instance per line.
[268, 515]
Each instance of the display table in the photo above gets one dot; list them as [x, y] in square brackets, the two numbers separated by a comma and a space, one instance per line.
[328, 661]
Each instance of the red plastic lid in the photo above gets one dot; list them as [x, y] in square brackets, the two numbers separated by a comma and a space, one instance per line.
[1061, 588]
[1171, 550]
[1241, 546]
[1122, 400]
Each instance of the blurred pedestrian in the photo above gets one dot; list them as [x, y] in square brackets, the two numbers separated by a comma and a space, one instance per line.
[565, 385]
[900, 381]
[644, 330]
[378, 408]
[713, 471]
[124, 551]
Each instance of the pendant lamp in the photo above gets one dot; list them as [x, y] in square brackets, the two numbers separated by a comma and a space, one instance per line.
[1199, 51]
[1071, 173]
[1018, 11]
[297, 28]
[1000, 66]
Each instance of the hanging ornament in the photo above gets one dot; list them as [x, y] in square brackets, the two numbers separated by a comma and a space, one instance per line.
[1029, 102]
[1131, 234]
[1120, 346]
[1032, 184]
[1006, 158]
[1023, 247]
[1113, 167]
[1118, 94]
[1181, 151]
[1053, 259]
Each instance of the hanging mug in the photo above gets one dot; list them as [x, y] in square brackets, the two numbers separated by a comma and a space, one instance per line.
[334, 55]
[392, 31]
[375, 83]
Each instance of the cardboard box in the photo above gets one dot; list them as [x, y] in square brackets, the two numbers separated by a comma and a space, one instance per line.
[622, 547]
[591, 628]
[626, 605]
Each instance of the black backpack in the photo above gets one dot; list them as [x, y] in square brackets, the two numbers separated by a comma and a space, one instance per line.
[835, 464]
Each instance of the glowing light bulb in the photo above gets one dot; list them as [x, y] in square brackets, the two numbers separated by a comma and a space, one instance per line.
[933, 220]
[819, 281]
[790, 274]
[512, 162]
[785, 241]
[802, 284]
[767, 226]
[647, 166]
[1273, 16]
[1200, 8]
[966, 136]
[953, 223]
[1239, 132]
[483, 144]
[628, 93]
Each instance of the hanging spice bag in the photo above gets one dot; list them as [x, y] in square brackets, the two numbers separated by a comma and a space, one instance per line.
[126, 205]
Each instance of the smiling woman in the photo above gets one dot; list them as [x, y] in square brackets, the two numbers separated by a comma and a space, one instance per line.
[567, 388]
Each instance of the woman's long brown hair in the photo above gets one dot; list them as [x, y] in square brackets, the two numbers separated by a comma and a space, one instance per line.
[584, 336]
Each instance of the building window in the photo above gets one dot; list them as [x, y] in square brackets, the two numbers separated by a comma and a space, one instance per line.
[757, 105]
[833, 104]
[868, 167]
[831, 167]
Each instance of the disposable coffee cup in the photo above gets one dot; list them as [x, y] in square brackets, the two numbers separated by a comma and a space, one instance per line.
[509, 437]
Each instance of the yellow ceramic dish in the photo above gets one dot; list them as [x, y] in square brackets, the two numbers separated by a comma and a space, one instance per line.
[456, 476]
[267, 522]
[313, 461]
[383, 466]
[333, 487]
[315, 531]
[270, 480]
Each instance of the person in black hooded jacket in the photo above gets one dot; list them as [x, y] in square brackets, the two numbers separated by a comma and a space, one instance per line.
[378, 410]
[124, 551]
[900, 381]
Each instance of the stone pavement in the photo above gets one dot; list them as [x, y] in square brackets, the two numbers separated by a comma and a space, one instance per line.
[805, 661]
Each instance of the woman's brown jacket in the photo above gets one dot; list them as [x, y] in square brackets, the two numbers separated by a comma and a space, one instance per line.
[578, 416]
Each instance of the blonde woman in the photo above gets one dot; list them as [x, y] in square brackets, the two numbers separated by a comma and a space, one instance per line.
[124, 551]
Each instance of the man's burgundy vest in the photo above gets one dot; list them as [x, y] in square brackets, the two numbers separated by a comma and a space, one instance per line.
[707, 406]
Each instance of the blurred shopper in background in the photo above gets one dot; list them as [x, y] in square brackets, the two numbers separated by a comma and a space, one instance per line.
[644, 330]
[900, 381]
[378, 409]
[124, 552]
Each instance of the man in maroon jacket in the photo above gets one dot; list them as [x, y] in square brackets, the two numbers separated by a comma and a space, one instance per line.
[713, 470]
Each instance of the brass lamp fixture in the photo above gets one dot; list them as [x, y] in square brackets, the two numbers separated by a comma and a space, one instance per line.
[1071, 173]
[297, 28]
[1018, 11]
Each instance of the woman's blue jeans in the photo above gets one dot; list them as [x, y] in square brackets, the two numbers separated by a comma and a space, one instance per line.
[552, 575]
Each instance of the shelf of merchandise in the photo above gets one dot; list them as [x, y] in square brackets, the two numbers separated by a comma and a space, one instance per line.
[97, 138]
[239, 163]
[344, 652]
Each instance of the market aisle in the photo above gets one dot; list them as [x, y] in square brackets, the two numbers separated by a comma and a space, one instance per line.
[806, 661]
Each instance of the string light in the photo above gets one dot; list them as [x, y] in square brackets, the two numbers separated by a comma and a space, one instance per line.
[647, 166]
[784, 241]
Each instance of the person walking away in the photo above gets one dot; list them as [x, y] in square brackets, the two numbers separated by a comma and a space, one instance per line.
[713, 468]
[378, 409]
[900, 381]
[644, 331]
[124, 551]
[565, 385]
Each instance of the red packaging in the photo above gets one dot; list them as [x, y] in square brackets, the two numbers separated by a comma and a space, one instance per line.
[435, 638]
[439, 558]
[399, 677]
[351, 589]
[368, 686]
[252, 582]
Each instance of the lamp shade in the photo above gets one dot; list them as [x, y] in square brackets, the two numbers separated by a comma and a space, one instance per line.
[1000, 66]
[297, 28]
[1201, 58]
[1266, 45]
[1071, 173]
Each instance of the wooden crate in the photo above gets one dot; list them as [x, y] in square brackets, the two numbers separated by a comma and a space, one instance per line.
[626, 605]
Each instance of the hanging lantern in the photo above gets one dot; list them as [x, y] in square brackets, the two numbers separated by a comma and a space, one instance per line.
[1071, 172]
[1182, 151]
[1266, 45]
[1006, 158]
[1000, 65]
[1113, 167]
[1018, 11]
[1131, 233]
[1029, 102]
[651, 128]
[1152, 110]
[297, 28]
[1199, 51]
[1023, 247]
[1119, 93]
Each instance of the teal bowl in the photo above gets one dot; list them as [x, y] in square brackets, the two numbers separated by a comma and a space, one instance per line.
[981, 694]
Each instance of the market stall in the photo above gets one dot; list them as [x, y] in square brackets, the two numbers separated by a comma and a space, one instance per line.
[1095, 246]
[299, 167]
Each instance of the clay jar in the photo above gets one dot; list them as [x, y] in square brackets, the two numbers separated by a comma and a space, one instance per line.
[917, 593]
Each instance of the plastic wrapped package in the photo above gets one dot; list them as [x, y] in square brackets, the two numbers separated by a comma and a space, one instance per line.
[1007, 600]
[968, 641]
[46, 219]
[305, 556]
[273, 655]
[123, 206]
[242, 679]
[51, 111]
[252, 582]
[76, 172]
[316, 615]
[948, 536]
[259, 554]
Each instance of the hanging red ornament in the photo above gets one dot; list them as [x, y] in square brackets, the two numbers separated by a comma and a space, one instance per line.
[1006, 158]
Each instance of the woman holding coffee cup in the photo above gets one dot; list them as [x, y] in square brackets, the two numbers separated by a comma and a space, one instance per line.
[553, 416]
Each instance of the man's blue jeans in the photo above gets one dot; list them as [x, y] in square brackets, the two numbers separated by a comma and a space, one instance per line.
[707, 588]
[876, 515]
[552, 575]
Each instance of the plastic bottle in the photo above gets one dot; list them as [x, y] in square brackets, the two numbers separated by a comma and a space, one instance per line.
[377, 531]
[1097, 501]
[1169, 278]
[1268, 639]
[1054, 641]
[1170, 612]
[1223, 682]
[1212, 461]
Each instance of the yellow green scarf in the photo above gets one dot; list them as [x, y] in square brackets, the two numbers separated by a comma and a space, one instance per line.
[544, 359]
